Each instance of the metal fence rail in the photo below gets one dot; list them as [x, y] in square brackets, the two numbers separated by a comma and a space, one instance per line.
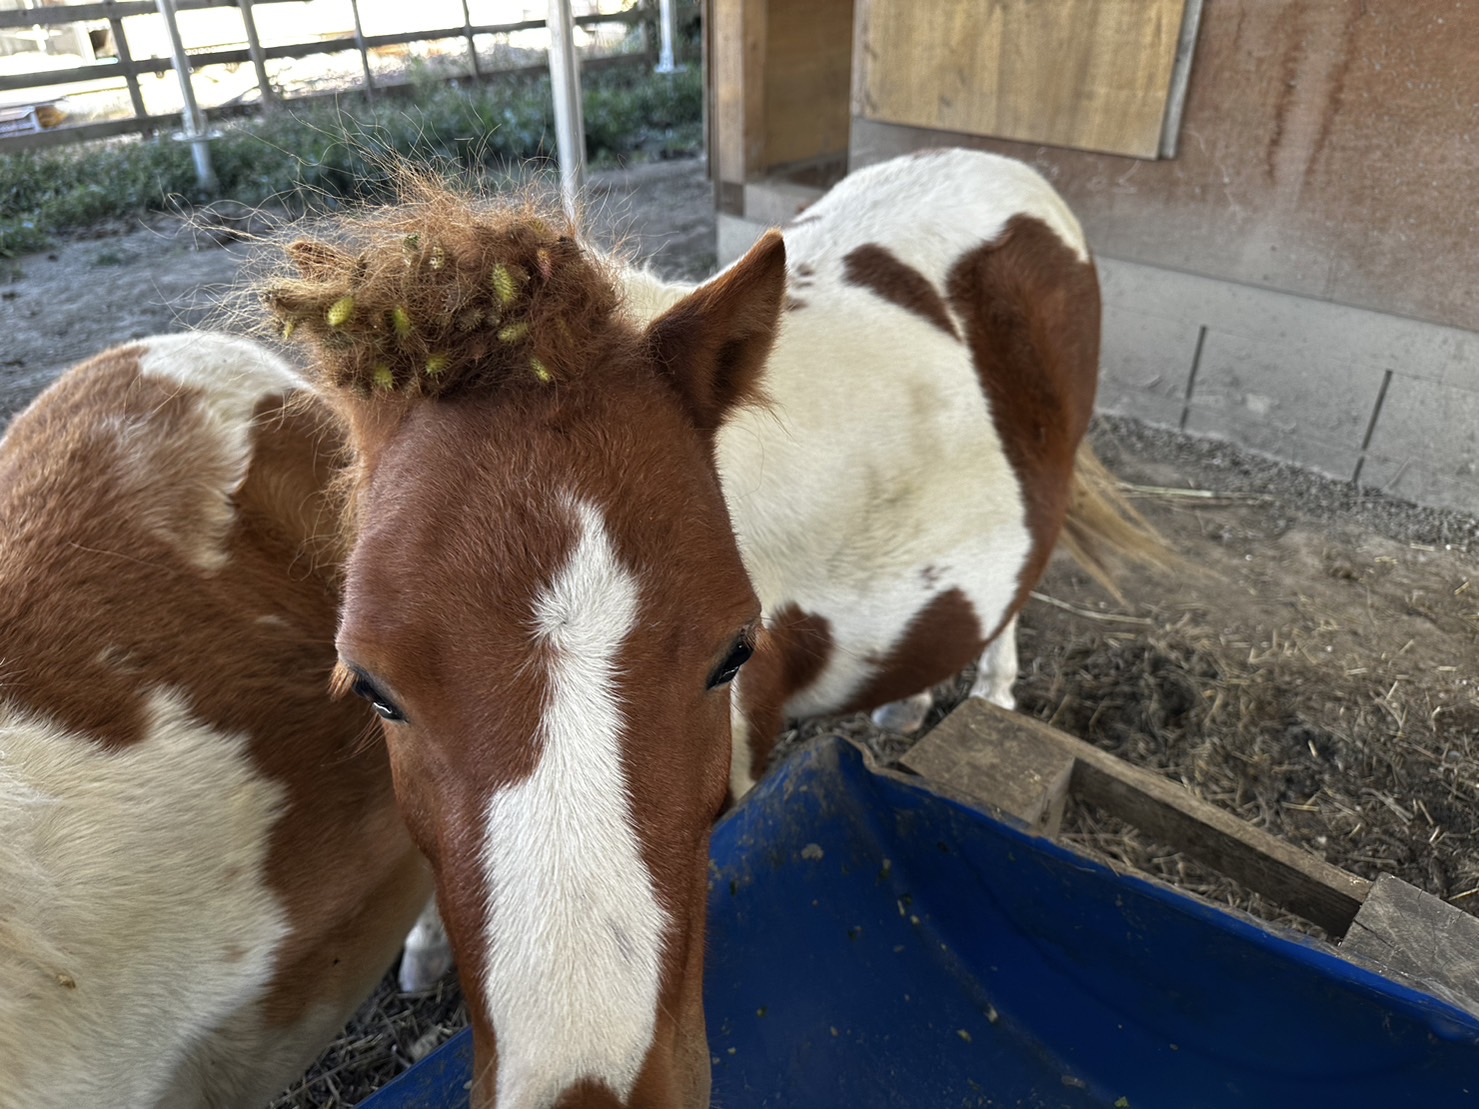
[130, 68]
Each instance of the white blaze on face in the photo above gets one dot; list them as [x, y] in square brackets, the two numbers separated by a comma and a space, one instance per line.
[575, 933]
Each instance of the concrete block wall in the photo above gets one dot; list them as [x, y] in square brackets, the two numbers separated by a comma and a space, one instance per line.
[1387, 401]
[1357, 395]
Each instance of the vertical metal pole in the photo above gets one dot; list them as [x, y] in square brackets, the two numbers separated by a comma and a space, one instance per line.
[667, 35]
[364, 51]
[191, 116]
[564, 72]
[1180, 78]
[472, 46]
[126, 63]
[259, 60]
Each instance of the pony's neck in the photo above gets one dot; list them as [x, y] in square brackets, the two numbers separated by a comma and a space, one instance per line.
[645, 296]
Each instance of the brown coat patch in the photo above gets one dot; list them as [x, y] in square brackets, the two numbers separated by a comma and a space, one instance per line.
[1031, 314]
[944, 637]
[876, 268]
[793, 649]
[102, 490]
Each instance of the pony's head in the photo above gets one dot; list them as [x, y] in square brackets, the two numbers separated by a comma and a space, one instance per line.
[545, 603]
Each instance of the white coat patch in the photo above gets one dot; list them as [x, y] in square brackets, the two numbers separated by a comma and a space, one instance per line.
[575, 932]
[135, 919]
[233, 376]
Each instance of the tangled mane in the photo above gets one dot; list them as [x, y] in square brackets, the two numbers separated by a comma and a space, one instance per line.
[436, 295]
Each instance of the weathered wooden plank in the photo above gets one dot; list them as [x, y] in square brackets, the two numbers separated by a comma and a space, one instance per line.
[1404, 930]
[1075, 73]
[126, 63]
[739, 83]
[87, 13]
[1327, 170]
[808, 61]
[61, 136]
[1001, 766]
[1279, 871]
[99, 71]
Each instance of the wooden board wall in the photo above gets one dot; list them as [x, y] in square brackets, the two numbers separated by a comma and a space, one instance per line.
[1078, 73]
[782, 69]
[1329, 148]
[808, 70]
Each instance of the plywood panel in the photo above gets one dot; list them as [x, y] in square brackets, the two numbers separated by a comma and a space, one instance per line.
[1078, 73]
[808, 64]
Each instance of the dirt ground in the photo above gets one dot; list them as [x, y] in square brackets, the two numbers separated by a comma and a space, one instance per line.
[1311, 667]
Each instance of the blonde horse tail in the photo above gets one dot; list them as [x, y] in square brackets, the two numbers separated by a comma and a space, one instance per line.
[1104, 530]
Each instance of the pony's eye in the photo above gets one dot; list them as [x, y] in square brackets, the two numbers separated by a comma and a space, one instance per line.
[739, 654]
[378, 701]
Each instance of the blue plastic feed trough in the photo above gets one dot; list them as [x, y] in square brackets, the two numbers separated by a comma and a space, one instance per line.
[873, 944]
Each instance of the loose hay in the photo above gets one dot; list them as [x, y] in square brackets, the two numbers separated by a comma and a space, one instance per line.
[390, 1032]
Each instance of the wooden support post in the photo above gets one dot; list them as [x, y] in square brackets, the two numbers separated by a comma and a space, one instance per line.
[739, 107]
[1002, 759]
[472, 45]
[126, 63]
[259, 60]
[364, 51]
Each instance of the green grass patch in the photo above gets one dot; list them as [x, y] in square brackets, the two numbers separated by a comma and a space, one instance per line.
[329, 153]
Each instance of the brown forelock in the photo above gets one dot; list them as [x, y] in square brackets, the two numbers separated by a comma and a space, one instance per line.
[1031, 312]
[791, 652]
[463, 527]
[438, 294]
[99, 606]
[879, 270]
[942, 638]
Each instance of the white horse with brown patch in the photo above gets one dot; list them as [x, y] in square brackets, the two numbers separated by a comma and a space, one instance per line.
[918, 454]
[583, 499]
[202, 869]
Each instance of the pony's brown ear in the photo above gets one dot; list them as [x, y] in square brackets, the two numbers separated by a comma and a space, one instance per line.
[712, 345]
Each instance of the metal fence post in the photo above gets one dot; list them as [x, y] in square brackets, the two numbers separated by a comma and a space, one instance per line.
[564, 71]
[191, 116]
[667, 24]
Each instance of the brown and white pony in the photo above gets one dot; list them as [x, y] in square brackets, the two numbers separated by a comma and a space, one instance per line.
[899, 494]
[583, 499]
[202, 868]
